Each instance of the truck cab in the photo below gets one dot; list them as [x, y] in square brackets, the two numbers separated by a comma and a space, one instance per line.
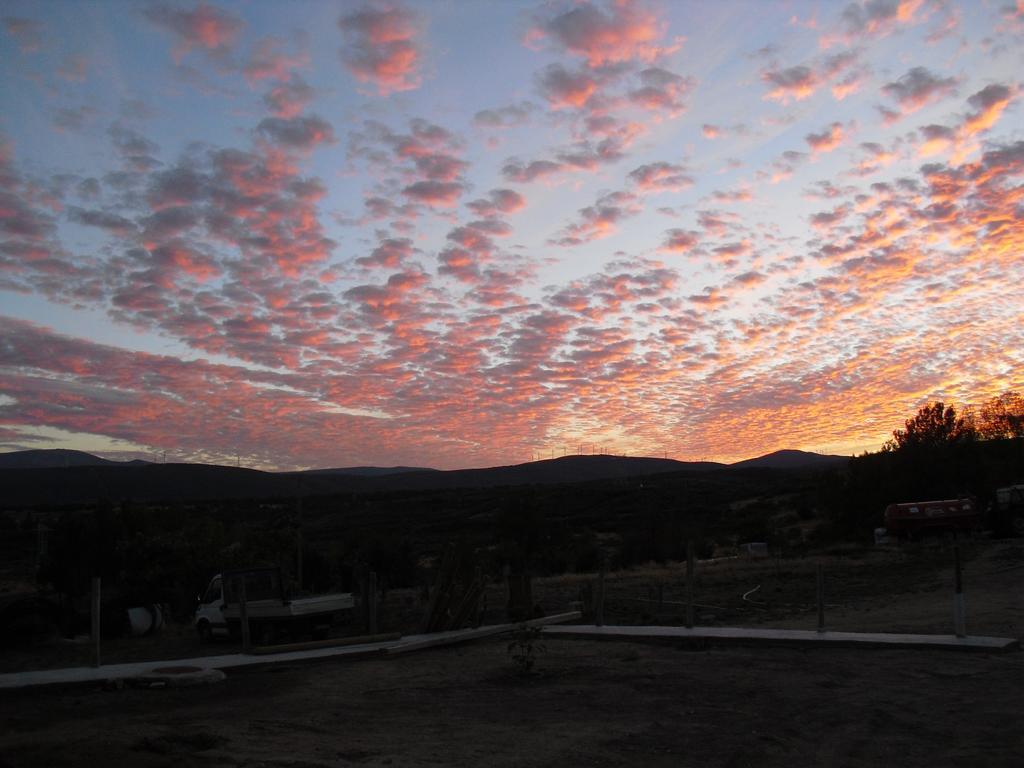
[209, 618]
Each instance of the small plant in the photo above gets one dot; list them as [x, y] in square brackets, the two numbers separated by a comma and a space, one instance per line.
[524, 648]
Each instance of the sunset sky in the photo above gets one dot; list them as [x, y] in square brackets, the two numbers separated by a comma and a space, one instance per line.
[468, 233]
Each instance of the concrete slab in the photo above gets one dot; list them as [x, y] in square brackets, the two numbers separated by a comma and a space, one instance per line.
[786, 637]
[78, 675]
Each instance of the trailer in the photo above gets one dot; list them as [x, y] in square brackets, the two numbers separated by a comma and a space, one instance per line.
[272, 614]
[912, 519]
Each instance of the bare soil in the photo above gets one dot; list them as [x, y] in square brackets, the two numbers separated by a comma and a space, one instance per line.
[605, 703]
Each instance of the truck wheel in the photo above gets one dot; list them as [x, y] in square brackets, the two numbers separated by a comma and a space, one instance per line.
[205, 632]
[265, 634]
[1017, 524]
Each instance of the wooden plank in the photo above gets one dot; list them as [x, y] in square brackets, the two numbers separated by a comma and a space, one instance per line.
[436, 639]
[80, 675]
[334, 642]
[787, 636]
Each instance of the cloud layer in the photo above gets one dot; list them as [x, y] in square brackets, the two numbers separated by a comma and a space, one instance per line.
[367, 237]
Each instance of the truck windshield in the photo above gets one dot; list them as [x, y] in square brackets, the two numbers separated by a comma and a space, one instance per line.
[212, 593]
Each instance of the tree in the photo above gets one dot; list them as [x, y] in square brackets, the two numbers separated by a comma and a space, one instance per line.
[1002, 417]
[934, 426]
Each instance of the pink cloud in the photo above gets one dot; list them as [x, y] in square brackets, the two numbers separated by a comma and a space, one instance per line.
[621, 31]
[600, 219]
[784, 166]
[204, 28]
[988, 105]
[875, 157]
[508, 116]
[848, 85]
[73, 68]
[825, 220]
[498, 201]
[679, 241]
[733, 196]
[301, 133]
[916, 89]
[268, 61]
[424, 163]
[565, 89]
[795, 83]
[28, 33]
[866, 19]
[288, 99]
[382, 47]
[802, 81]
[444, 193]
[660, 177]
[390, 253]
[827, 140]
[661, 91]
[515, 170]
[388, 300]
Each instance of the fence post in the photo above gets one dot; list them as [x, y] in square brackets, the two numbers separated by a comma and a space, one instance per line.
[373, 603]
[599, 597]
[506, 579]
[959, 609]
[243, 616]
[94, 611]
[821, 598]
[690, 569]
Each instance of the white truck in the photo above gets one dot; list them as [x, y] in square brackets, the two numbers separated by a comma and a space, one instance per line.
[271, 613]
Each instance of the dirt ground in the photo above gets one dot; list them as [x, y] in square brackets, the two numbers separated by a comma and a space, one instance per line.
[605, 703]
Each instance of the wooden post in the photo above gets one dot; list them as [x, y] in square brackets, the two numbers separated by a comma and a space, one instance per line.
[690, 576]
[298, 537]
[821, 598]
[506, 573]
[94, 611]
[959, 609]
[243, 616]
[599, 595]
[372, 613]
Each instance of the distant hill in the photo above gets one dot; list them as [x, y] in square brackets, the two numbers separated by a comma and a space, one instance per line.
[58, 477]
[565, 469]
[368, 471]
[791, 460]
[51, 482]
[57, 457]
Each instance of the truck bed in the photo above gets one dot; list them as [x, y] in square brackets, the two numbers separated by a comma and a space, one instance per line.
[302, 607]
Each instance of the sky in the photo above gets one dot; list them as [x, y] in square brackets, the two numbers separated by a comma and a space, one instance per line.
[467, 233]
